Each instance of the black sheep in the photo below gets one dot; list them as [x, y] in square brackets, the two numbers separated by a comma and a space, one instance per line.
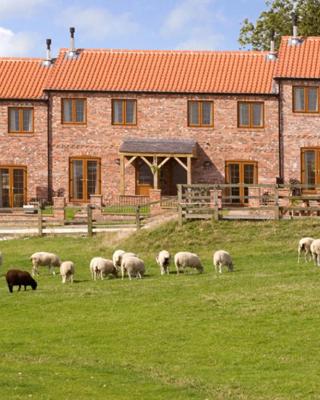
[15, 277]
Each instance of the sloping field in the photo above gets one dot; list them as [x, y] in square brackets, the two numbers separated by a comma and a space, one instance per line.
[250, 334]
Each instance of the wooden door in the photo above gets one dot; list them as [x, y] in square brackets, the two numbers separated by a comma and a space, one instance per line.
[310, 168]
[13, 186]
[240, 173]
[144, 179]
[85, 178]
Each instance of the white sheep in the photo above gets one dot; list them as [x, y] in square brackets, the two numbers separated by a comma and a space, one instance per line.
[117, 257]
[41, 259]
[67, 271]
[163, 260]
[101, 267]
[133, 265]
[221, 259]
[304, 246]
[315, 251]
[185, 259]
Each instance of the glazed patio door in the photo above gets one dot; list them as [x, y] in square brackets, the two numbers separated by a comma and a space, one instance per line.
[241, 172]
[84, 178]
[12, 187]
[310, 168]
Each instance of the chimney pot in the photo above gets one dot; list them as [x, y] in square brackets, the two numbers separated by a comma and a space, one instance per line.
[72, 50]
[48, 61]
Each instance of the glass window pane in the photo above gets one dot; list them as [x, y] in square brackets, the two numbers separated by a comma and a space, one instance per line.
[14, 120]
[244, 117]
[257, 114]
[130, 111]
[4, 188]
[80, 110]
[248, 173]
[206, 113]
[193, 113]
[145, 176]
[18, 187]
[92, 177]
[312, 99]
[77, 178]
[309, 168]
[117, 112]
[27, 120]
[67, 110]
[299, 99]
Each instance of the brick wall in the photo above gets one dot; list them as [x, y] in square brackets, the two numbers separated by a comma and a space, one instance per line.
[27, 149]
[299, 130]
[164, 116]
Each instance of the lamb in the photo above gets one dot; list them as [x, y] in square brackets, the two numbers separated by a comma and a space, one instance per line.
[304, 246]
[163, 260]
[101, 267]
[43, 258]
[133, 265]
[221, 259]
[67, 271]
[185, 259]
[315, 251]
[16, 277]
[117, 257]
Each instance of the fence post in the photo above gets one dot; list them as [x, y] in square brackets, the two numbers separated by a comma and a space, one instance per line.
[40, 227]
[138, 222]
[179, 205]
[276, 204]
[216, 205]
[89, 214]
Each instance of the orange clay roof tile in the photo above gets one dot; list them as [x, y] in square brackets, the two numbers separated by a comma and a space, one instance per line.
[300, 61]
[22, 78]
[163, 71]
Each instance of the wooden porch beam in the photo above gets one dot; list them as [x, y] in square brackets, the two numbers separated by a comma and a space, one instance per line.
[146, 161]
[189, 175]
[163, 162]
[122, 175]
[155, 172]
[131, 160]
[181, 163]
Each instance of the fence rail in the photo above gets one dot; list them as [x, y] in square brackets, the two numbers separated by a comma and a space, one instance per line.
[241, 201]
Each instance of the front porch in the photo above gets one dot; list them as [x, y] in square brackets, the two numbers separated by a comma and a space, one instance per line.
[159, 164]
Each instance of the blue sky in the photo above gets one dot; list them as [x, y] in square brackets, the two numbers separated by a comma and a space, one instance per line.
[131, 24]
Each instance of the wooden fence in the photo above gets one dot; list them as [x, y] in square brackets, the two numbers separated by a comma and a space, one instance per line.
[231, 201]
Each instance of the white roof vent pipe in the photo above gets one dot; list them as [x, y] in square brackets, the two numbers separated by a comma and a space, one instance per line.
[272, 55]
[48, 61]
[295, 40]
[72, 52]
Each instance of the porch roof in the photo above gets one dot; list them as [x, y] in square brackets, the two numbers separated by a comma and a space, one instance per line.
[160, 147]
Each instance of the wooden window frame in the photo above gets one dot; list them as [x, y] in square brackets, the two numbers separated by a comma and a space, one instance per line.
[201, 125]
[21, 109]
[12, 167]
[317, 167]
[73, 111]
[251, 126]
[124, 112]
[306, 102]
[85, 179]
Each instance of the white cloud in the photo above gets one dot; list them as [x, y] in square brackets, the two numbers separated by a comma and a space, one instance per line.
[99, 23]
[192, 22]
[15, 44]
[20, 7]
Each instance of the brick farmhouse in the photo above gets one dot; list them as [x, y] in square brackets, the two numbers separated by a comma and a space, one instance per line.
[123, 122]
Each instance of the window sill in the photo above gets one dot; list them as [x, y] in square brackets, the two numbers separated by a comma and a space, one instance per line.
[21, 134]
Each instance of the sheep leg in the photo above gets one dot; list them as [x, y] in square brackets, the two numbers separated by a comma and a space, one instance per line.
[318, 260]
[122, 272]
[71, 278]
[299, 251]
[10, 288]
[220, 268]
[129, 274]
[139, 275]
[19, 288]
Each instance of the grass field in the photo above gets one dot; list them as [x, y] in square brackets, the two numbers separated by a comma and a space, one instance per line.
[250, 334]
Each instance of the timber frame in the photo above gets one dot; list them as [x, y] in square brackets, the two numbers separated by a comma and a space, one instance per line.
[127, 159]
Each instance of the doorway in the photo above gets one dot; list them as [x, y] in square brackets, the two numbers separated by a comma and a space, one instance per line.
[13, 187]
[85, 178]
[240, 173]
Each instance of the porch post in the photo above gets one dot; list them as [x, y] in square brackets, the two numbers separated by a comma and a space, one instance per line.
[155, 172]
[189, 171]
[122, 175]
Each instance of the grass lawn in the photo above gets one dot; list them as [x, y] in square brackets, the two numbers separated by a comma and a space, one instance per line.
[250, 334]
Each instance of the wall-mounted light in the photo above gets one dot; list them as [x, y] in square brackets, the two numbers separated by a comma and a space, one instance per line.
[207, 164]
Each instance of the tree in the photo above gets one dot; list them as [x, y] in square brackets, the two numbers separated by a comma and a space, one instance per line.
[278, 18]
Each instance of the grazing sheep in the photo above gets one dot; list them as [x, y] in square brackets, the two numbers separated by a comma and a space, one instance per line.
[101, 267]
[15, 277]
[185, 259]
[221, 259]
[315, 251]
[117, 257]
[133, 265]
[304, 246]
[163, 260]
[67, 271]
[41, 259]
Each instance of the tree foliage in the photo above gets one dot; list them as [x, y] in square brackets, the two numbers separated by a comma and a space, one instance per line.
[278, 18]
